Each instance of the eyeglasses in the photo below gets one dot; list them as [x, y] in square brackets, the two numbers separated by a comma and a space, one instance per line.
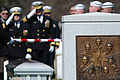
[39, 10]
[17, 15]
[4, 13]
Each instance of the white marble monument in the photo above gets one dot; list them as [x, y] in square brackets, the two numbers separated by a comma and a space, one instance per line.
[88, 24]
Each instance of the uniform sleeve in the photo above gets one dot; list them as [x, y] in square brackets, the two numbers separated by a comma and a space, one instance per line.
[57, 30]
[26, 20]
[52, 31]
[4, 37]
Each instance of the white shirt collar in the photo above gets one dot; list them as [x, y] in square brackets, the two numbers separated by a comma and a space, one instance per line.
[40, 18]
[17, 24]
[2, 20]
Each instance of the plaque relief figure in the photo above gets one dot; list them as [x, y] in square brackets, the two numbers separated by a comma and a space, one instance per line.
[105, 75]
[109, 49]
[111, 63]
[87, 50]
[85, 67]
[91, 73]
[85, 62]
[98, 57]
[105, 71]
[112, 66]
[98, 52]
[98, 43]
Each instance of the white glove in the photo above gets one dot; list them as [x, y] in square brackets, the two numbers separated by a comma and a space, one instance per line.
[11, 41]
[31, 13]
[51, 48]
[28, 56]
[9, 19]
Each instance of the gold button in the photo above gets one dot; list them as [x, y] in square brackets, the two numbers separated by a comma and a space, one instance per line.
[38, 30]
[43, 34]
[29, 50]
[19, 45]
[38, 34]
[13, 36]
[19, 37]
[43, 30]
[13, 45]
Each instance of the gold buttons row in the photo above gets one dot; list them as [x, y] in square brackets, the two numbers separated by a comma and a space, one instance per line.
[39, 34]
[19, 37]
[39, 30]
[18, 45]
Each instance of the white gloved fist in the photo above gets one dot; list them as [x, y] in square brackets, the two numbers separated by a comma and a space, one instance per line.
[31, 13]
[28, 56]
[9, 19]
[51, 48]
[11, 41]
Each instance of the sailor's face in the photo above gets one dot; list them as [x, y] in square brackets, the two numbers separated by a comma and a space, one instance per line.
[39, 12]
[106, 10]
[72, 10]
[93, 9]
[16, 17]
[80, 11]
[4, 14]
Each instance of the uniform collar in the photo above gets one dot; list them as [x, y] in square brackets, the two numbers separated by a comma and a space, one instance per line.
[2, 20]
[40, 18]
[17, 24]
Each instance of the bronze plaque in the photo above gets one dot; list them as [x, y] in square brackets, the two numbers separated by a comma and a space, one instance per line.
[98, 57]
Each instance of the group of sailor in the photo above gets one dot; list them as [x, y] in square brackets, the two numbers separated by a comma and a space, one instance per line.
[95, 6]
[37, 24]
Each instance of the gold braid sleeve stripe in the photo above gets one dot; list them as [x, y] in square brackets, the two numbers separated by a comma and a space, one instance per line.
[52, 43]
[57, 43]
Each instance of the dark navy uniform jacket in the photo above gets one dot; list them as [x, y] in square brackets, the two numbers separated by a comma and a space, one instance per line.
[56, 29]
[18, 49]
[4, 38]
[40, 30]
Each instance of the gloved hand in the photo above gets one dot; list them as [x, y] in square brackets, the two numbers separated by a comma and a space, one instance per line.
[9, 19]
[57, 44]
[51, 48]
[31, 13]
[11, 41]
[28, 56]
